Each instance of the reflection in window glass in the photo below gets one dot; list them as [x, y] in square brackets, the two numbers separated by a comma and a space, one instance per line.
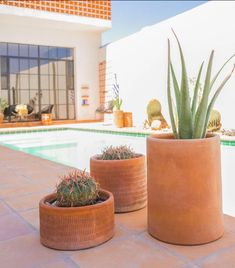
[44, 51]
[44, 66]
[62, 52]
[24, 81]
[44, 81]
[33, 66]
[24, 50]
[3, 82]
[53, 52]
[33, 51]
[3, 49]
[24, 66]
[13, 50]
[33, 82]
[14, 66]
[69, 53]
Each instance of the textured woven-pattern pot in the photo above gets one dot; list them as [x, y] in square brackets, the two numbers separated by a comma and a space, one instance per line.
[126, 179]
[76, 227]
[184, 189]
[118, 118]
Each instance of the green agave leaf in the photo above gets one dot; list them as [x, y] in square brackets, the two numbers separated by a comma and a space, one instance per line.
[196, 90]
[212, 102]
[176, 88]
[200, 116]
[216, 76]
[185, 116]
[169, 94]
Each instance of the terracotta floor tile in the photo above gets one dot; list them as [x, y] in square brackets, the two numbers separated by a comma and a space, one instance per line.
[32, 217]
[4, 209]
[134, 221]
[12, 226]
[26, 252]
[223, 260]
[58, 264]
[26, 202]
[20, 189]
[197, 252]
[126, 254]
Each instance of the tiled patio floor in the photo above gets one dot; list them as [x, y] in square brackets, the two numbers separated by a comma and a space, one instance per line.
[24, 179]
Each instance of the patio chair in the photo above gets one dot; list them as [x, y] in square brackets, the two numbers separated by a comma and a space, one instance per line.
[45, 110]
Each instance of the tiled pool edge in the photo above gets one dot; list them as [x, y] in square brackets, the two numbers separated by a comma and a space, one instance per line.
[226, 142]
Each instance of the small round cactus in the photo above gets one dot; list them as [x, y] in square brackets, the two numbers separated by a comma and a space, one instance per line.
[117, 153]
[77, 189]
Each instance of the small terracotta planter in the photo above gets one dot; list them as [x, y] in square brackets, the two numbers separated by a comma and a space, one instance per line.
[126, 179]
[72, 228]
[118, 118]
[127, 119]
[184, 189]
[1, 118]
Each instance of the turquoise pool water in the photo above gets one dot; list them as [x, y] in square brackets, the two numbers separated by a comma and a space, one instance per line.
[74, 147]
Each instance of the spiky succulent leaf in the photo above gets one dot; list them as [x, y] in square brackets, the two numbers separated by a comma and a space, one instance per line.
[170, 105]
[212, 102]
[185, 116]
[200, 116]
[196, 91]
[176, 88]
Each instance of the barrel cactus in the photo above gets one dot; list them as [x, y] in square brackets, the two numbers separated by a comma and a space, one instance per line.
[77, 189]
[192, 116]
[117, 153]
[214, 121]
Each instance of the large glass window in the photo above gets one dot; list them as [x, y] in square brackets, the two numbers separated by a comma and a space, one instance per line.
[38, 76]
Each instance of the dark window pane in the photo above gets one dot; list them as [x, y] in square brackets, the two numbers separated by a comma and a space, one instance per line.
[62, 52]
[53, 53]
[3, 49]
[70, 70]
[14, 66]
[24, 66]
[33, 51]
[33, 66]
[13, 50]
[3, 65]
[44, 52]
[4, 82]
[24, 50]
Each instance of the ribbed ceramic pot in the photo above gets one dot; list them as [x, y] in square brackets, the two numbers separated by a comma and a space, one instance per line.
[72, 228]
[184, 189]
[126, 179]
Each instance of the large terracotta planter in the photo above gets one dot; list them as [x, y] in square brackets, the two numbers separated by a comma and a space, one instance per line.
[126, 179]
[118, 118]
[184, 189]
[76, 227]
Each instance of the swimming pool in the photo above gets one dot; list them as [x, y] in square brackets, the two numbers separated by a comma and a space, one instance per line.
[73, 147]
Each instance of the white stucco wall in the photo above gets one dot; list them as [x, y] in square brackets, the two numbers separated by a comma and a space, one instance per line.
[85, 43]
[140, 60]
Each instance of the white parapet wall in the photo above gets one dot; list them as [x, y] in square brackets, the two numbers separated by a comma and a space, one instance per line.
[140, 60]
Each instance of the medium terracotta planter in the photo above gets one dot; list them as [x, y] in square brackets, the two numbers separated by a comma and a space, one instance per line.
[1, 118]
[126, 179]
[76, 227]
[127, 119]
[118, 118]
[184, 189]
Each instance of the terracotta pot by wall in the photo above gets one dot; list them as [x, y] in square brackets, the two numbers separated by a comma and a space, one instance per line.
[126, 179]
[184, 189]
[76, 227]
[1, 117]
[118, 118]
[46, 119]
[127, 119]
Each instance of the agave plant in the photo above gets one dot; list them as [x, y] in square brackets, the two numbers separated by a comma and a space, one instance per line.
[117, 101]
[192, 116]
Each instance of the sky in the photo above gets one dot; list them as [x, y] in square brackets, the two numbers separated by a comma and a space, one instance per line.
[130, 16]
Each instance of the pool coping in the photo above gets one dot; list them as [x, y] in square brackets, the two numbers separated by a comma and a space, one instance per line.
[225, 140]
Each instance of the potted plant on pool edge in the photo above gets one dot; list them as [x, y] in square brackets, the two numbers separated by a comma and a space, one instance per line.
[184, 169]
[117, 103]
[123, 172]
[79, 215]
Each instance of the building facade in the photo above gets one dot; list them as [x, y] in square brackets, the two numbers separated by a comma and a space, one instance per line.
[49, 55]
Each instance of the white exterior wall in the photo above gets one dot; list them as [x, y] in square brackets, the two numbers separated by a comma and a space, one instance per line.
[85, 43]
[140, 60]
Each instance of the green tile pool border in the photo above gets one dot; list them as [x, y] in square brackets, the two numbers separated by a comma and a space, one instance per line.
[113, 132]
